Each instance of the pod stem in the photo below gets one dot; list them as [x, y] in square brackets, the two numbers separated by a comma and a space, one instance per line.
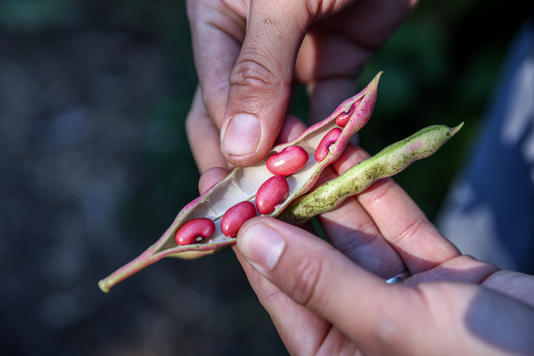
[155, 253]
[145, 259]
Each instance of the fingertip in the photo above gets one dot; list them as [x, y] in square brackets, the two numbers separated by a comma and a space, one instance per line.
[247, 139]
[261, 244]
[240, 135]
[211, 177]
[292, 128]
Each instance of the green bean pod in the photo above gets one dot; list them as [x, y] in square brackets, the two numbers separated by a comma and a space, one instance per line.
[391, 160]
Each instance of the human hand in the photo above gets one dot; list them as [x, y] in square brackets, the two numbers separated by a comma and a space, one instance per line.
[329, 301]
[321, 302]
[326, 300]
[248, 55]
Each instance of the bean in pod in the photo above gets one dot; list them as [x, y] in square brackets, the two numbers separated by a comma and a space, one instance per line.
[236, 216]
[323, 149]
[243, 184]
[194, 231]
[289, 161]
[344, 117]
[271, 193]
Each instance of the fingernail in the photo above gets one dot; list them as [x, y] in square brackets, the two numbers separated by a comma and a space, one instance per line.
[241, 135]
[262, 246]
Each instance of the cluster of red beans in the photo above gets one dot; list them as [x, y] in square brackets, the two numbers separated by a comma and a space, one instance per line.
[271, 193]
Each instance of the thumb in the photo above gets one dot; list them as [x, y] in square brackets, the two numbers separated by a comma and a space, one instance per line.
[314, 274]
[260, 82]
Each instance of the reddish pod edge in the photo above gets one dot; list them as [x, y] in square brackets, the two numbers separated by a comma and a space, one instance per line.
[236, 216]
[194, 231]
[271, 193]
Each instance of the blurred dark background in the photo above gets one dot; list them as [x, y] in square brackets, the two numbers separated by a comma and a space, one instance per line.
[95, 165]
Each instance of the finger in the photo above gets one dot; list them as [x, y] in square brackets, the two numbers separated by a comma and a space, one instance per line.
[514, 284]
[211, 177]
[260, 82]
[315, 275]
[203, 137]
[404, 225]
[217, 32]
[459, 269]
[292, 129]
[328, 85]
[300, 329]
[376, 20]
[354, 233]
[327, 54]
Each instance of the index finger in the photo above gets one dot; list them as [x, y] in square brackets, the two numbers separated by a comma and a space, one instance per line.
[217, 32]
[402, 223]
[203, 136]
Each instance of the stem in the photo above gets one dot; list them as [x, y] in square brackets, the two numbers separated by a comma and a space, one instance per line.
[153, 254]
[145, 259]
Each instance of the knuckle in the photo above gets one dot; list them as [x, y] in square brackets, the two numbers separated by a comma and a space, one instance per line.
[253, 71]
[411, 230]
[389, 327]
[273, 296]
[307, 277]
[321, 7]
[386, 330]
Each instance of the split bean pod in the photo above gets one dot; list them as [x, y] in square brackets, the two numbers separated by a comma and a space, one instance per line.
[292, 173]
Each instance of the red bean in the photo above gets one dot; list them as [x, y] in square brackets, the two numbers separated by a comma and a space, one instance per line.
[194, 231]
[272, 192]
[290, 160]
[236, 216]
[324, 146]
[344, 117]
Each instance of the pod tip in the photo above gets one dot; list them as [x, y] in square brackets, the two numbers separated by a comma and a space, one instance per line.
[454, 130]
[378, 76]
[102, 285]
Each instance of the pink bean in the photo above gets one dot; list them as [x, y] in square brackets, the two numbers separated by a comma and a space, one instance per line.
[272, 192]
[324, 146]
[236, 216]
[194, 230]
[344, 117]
[290, 160]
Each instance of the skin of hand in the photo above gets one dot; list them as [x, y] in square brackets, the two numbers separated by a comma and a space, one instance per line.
[331, 299]
[249, 55]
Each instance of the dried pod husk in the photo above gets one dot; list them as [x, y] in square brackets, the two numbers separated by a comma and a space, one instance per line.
[243, 182]
[391, 160]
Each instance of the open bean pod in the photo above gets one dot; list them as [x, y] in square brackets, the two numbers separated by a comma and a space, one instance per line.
[243, 183]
